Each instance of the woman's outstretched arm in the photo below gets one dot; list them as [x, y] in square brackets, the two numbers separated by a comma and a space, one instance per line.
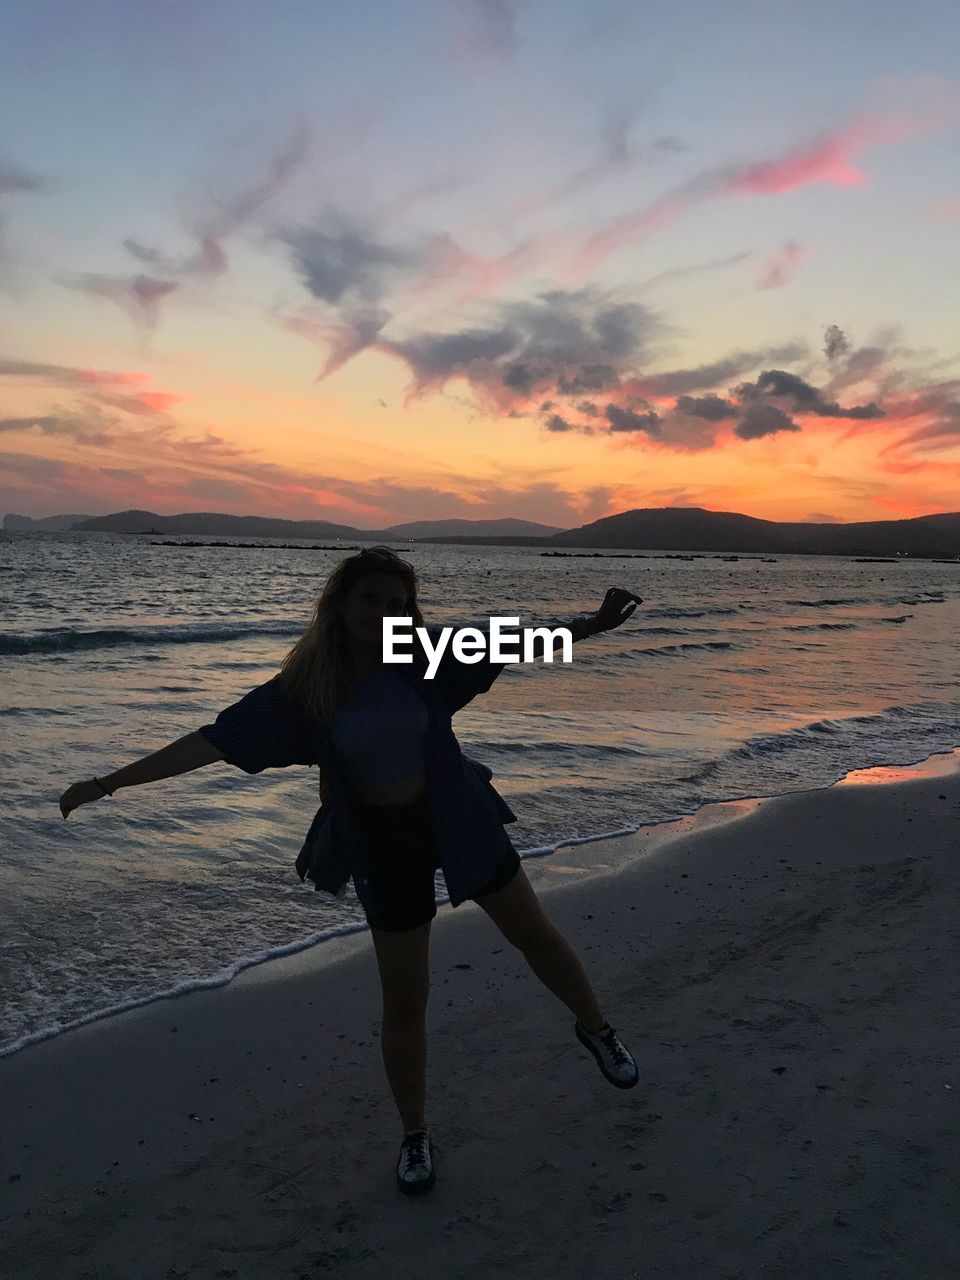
[613, 611]
[188, 752]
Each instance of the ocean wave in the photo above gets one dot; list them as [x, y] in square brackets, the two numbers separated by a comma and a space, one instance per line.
[774, 744]
[824, 604]
[660, 631]
[695, 611]
[675, 650]
[823, 626]
[58, 639]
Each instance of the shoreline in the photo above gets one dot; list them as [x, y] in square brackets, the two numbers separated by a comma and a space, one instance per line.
[583, 859]
[787, 982]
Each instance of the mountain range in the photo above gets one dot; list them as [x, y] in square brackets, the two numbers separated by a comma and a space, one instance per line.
[643, 529]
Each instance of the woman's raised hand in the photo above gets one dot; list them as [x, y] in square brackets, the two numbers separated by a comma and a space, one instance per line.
[611, 612]
[80, 793]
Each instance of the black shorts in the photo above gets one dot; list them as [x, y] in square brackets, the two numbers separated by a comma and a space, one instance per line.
[396, 888]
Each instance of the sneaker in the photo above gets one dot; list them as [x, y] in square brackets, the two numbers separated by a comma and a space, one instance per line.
[613, 1057]
[415, 1166]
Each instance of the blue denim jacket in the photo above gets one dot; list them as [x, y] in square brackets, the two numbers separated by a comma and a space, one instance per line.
[266, 729]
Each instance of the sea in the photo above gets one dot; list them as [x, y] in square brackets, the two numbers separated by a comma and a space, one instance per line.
[737, 677]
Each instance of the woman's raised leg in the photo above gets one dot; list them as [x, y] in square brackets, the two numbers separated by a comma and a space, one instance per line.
[516, 911]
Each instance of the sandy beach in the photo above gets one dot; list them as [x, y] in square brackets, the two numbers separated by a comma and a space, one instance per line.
[789, 982]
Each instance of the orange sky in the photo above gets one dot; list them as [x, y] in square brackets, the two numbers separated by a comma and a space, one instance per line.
[334, 308]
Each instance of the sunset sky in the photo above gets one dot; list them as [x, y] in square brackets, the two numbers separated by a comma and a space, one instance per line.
[384, 261]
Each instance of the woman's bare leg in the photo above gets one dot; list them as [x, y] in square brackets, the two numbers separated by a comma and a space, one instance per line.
[516, 911]
[404, 962]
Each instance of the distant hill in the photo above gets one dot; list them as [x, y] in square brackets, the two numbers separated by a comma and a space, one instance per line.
[56, 523]
[695, 529]
[214, 522]
[271, 527]
[643, 529]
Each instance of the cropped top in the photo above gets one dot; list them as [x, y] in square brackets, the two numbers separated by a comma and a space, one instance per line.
[380, 736]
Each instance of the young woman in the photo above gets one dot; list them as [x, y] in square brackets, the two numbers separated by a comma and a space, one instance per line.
[399, 800]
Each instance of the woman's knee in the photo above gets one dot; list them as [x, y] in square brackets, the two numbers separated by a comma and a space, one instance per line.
[517, 913]
[403, 959]
[405, 1001]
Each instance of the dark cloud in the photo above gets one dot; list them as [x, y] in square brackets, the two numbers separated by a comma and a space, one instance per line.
[629, 420]
[524, 377]
[835, 343]
[556, 423]
[761, 419]
[58, 373]
[712, 408]
[806, 398]
[14, 180]
[621, 329]
[560, 344]
[338, 259]
[52, 424]
[591, 377]
[436, 357]
[705, 376]
[579, 327]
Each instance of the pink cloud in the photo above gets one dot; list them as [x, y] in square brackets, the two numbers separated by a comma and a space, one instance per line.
[827, 160]
[95, 377]
[144, 403]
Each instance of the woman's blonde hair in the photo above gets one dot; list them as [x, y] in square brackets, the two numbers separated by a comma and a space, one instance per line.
[319, 669]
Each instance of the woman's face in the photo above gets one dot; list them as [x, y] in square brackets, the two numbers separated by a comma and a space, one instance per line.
[372, 598]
